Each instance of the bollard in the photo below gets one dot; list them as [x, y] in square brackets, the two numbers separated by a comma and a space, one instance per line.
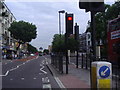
[101, 75]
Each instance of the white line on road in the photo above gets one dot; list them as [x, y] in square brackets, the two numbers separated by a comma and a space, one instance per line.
[46, 83]
[43, 62]
[11, 79]
[34, 78]
[15, 67]
[41, 69]
[22, 78]
[47, 86]
[5, 74]
[59, 82]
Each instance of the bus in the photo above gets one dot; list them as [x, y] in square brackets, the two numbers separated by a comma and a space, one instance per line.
[113, 39]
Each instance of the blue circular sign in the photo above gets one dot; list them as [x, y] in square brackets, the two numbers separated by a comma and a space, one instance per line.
[104, 71]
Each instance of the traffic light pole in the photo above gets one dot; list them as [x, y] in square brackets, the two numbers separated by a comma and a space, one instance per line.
[93, 37]
[77, 39]
[59, 25]
[93, 34]
[66, 52]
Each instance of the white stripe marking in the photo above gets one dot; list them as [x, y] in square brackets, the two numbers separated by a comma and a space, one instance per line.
[59, 82]
[11, 79]
[43, 70]
[22, 78]
[34, 78]
[47, 86]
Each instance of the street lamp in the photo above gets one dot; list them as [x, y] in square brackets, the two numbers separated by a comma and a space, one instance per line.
[62, 11]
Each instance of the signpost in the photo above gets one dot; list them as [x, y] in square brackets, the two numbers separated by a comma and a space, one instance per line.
[101, 75]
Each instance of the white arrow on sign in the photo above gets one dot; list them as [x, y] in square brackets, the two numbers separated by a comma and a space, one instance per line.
[103, 72]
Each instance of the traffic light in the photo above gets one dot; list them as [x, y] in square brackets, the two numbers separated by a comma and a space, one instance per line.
[69, 24]
[76, 32]
[83, 5]
[91, 5]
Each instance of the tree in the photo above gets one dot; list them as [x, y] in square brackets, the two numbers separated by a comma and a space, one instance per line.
[46, 51]
[101, 21]
[23, 31]
[58, 44]
[32, 49]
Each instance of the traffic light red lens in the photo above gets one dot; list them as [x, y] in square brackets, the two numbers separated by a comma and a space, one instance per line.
[69, 18]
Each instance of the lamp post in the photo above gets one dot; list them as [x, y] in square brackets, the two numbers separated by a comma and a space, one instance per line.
[62, 11]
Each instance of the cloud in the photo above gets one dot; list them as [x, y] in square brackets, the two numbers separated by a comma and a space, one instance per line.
[45, 16]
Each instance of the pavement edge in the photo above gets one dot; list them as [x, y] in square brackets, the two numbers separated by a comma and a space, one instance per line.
[54, 75]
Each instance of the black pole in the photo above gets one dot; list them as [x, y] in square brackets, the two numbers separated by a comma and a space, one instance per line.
[86, 61]
[82, 60]
[59, 25]
[93, 37]
[66, 62]
[93, 33]
[77, 40]
[77, 60]
[66, 52]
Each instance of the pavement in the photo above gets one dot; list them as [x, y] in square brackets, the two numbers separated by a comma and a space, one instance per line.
[77, 78]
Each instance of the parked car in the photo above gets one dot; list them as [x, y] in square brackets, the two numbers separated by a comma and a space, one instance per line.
[32, 54]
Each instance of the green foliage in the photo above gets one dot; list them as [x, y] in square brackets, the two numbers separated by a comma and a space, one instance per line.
[72, 44]
[101, 21]
[23, 31]
[58, 44]
[32, 49]
[46, 51]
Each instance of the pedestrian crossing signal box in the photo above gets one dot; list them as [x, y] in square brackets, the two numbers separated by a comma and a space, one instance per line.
[101, 78]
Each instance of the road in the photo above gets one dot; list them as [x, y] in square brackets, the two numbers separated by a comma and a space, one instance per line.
[27, 74]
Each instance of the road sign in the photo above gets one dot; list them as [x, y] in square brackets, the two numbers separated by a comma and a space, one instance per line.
[104, 71]
[101, 75]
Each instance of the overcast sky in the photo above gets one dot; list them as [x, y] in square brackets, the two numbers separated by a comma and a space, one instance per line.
[44, 14]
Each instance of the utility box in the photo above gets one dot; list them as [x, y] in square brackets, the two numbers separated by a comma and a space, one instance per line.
[101, 78]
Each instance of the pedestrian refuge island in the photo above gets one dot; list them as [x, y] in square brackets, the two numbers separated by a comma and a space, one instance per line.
[101, 78]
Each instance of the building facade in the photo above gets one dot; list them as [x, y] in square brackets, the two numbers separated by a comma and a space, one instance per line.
[7, 42]
[85, 42]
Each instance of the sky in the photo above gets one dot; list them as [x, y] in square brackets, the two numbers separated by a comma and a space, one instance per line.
[44, 14]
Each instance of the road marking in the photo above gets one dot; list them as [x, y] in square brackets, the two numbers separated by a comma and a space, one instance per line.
[15, 67]
[41, 69]
[47, 86]
[22, 78]
[34, 78]
[12, 69]
[40, 73]
[46, 83]
[11, 79]
[45, 80]
[43, 62]
[46, 62]
[41, 65]
[59, 82]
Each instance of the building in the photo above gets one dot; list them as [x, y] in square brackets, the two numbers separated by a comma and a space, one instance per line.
[50, 48]
[85, 42]
[88, 42]
[7, 42]
[82, 45]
